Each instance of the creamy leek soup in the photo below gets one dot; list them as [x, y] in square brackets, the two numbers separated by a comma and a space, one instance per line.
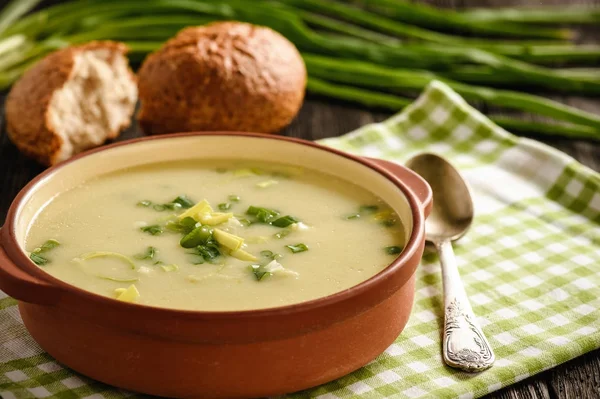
[215, 235]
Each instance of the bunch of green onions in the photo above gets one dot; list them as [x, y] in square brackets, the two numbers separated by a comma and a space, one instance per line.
[379, 53]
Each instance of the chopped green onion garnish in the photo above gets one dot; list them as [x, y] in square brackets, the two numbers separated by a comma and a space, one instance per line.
[188, 224]
[180, 202]
[270, 255]
[48, 245]
[38, 259]
[224, 206]
[297, 248]
[259, 272]
[285, 221]
[208, 251]
[172, 205]
[393, 250]
[264, 215]
[184, 201]
[282, 234]
[107, 254]
[234, 198]
[267, 254]
[149, 254]
[200, 235]
[120, 280]
[244, 221]
[389, 222]
[153, 229]
[170, 268]
[184, 226]
[368, 208]
[353, 216]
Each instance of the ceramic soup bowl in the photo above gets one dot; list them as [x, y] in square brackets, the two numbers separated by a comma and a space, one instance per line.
[229, 354]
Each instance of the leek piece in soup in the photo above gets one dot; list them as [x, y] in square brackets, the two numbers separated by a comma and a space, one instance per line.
[215, 236]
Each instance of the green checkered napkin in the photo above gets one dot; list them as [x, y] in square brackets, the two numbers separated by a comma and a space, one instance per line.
[530, 263]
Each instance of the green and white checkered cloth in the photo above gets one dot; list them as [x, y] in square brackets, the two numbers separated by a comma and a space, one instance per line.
[531, 266]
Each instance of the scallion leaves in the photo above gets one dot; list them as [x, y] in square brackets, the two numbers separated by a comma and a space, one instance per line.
[198, 236]
[389, 222]
[38, 259]
[267, 254]
[152, 229]
[180, 202]
[169, 205]
[234, 198]
[259, 272]
[263, 215]
[48, 245]
[285, 221]
[282, 234]
[185, 225]
[270, 255]
[368, 208]
[271, 216]
[36, 256]
[297, 248]
[393, 250]
[148, 254]
[208, 252]
[224, 206]
[184, 201]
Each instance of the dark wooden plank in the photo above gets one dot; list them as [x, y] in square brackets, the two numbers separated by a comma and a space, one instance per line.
[534, 389]
[579, 378]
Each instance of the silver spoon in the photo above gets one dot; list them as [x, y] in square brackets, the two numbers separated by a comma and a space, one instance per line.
[464, 344]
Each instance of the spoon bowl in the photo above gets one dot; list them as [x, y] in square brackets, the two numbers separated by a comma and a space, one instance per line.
[452, 212]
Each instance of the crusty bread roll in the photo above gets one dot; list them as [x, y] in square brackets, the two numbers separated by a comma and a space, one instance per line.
[223, 76]
[72, 100]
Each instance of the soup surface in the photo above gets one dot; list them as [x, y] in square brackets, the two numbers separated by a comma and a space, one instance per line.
[215, 235]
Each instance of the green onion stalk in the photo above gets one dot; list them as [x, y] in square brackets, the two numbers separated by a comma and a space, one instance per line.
[373, 76]
[395, 103]
[382, 24]
[426, 16]
[535, 54]
[546, 15]
[482, 75]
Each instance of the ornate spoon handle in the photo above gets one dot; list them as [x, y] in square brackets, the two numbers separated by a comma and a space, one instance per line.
[464, 344]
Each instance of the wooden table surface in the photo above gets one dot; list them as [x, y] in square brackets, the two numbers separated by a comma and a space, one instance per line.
[320, 118]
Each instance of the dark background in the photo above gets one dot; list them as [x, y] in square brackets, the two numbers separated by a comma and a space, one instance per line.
[320, 118]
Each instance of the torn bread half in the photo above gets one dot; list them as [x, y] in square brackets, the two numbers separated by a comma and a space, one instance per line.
[72, 100]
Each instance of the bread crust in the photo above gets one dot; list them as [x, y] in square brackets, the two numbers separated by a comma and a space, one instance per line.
[27, 120]
[223, 76]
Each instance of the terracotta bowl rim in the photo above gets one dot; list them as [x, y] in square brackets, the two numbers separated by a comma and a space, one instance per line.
[9, 242]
